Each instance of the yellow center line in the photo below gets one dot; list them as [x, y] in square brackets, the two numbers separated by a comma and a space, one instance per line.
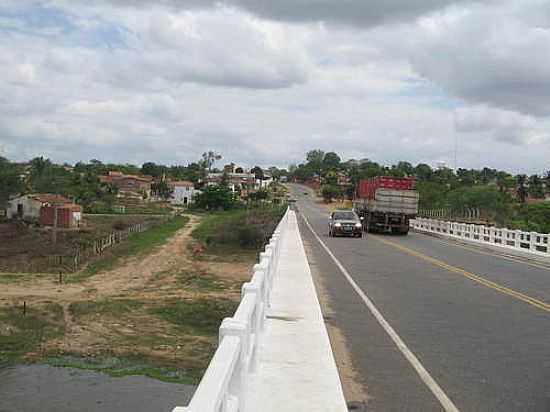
[476, 278]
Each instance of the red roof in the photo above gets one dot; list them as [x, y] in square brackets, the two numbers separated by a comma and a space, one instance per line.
[182, 183]
[50, 198]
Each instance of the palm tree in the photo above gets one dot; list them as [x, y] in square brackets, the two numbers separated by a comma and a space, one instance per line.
[521, 188]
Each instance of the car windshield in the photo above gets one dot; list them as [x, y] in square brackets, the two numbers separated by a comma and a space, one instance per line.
[344, 216]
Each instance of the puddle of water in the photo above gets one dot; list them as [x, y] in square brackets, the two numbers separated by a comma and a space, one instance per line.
[28, 388]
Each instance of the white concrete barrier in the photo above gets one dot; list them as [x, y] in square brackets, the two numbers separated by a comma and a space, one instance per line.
[530, 242]
[223, 387]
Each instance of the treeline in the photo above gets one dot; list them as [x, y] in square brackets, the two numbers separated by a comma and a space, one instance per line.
[506, 197]
[81, 182]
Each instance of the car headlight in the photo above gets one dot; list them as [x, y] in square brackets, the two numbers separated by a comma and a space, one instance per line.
[358, 225]
[337, 225]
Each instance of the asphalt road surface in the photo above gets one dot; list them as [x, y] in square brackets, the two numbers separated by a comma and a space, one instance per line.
[448, 327]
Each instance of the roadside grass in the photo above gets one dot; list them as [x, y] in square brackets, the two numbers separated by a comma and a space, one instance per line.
[136, 245]
[237, 235]
[201, 316]
[200, 280]
[180, 354]
[22, 334]
[114, 307]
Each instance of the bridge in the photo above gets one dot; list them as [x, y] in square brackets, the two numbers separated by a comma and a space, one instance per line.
[453, 317]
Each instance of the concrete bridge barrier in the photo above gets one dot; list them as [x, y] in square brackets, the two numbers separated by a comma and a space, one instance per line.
[274, 353]
[530, 242]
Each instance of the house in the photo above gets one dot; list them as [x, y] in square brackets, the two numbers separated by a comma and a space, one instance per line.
[235, 181]
[41, 208]
[184, 192]
[266, 180]
[129, 185]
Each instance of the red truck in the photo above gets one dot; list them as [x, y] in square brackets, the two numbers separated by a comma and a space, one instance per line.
[386, 203]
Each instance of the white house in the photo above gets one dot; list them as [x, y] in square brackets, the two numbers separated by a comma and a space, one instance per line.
[184, 193]
[29, 206]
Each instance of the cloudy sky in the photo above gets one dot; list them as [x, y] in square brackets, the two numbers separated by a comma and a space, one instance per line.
[264, 81]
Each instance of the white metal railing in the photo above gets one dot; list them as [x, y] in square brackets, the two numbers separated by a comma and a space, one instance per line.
[533, 242]
[224, 385]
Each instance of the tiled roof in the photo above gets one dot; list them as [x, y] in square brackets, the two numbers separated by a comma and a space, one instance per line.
[50, 198]
[182, 183]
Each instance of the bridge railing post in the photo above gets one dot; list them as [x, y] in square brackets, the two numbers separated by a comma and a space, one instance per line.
[236, 394]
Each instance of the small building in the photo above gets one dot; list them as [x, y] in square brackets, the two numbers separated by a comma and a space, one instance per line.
[40, 207]
[68, 216]
[129, 185]
[235, 181]
[184, 192]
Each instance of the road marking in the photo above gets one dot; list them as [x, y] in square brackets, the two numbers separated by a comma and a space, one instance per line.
[472, 276]
[432, 385]
[497, 253]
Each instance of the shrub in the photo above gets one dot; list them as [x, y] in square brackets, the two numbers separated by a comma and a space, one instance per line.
[330, 192]
[215, 197]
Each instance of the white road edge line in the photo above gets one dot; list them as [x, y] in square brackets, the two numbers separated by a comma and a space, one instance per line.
[443, 399]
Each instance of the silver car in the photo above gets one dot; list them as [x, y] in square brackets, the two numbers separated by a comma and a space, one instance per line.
[345, 223]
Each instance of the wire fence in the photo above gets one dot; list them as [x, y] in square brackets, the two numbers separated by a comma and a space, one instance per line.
[82, 254]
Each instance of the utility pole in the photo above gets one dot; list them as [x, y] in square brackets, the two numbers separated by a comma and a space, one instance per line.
[54, 230]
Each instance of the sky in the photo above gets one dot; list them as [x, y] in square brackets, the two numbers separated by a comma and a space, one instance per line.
[262, 82]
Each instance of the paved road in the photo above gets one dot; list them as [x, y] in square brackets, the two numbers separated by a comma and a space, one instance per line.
[479, 323]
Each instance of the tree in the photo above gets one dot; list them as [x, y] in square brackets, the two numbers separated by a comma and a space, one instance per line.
[162, 190]
[331, 161]
[536, 188]
[315, 160]
[209, 158]
[331, 178]
[10, 182]
[330, 192]
[423, 171]
[406, 168]
[261, 194]
[521, 190]
[152, 169]
[215, 197]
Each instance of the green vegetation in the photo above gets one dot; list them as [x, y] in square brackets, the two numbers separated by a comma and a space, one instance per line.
[201, 280]
[119, 366]
[216, 198]
[197, 316]
[330, 192]
[22, 334]
[247, 229]
[137, 244]
[10, 182]
[503, 198]
[115, 307]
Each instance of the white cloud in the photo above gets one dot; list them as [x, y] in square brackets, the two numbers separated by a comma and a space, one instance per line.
[132, 82]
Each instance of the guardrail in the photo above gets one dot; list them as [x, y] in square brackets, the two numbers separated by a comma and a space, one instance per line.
[515, 239]
[223, 387]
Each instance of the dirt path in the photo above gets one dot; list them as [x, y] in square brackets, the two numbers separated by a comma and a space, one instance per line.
[132, 274]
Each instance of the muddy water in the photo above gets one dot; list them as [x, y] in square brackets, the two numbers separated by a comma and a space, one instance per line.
[43, 388]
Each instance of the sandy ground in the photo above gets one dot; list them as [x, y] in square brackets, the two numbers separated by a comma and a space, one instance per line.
[148, 279]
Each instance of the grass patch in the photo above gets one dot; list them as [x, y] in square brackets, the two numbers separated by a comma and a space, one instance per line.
[119, 366]
[137, 244]
[197, 316]
[237, 231]
[113, 307]
[20, 334]
[200, 281]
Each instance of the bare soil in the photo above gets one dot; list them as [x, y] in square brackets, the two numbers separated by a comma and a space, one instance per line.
[23, 246]
[170, 273]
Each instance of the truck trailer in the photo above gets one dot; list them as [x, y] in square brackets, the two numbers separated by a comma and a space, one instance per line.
[386, 204]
